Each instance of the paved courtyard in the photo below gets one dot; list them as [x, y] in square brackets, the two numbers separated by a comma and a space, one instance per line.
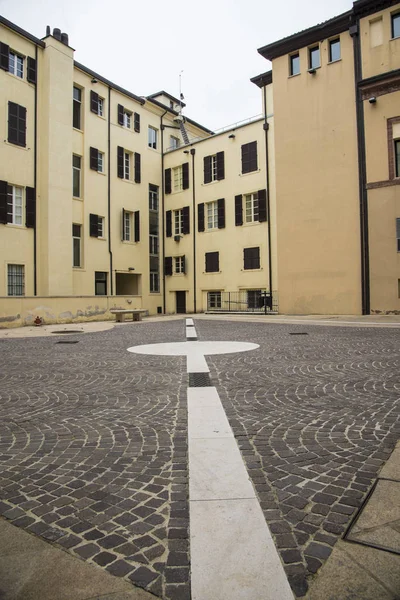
[93, 439]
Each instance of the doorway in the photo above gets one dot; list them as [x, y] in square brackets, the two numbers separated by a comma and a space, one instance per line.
[180, 302]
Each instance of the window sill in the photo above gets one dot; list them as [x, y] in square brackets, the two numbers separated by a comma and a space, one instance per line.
[79, 269]
[251, 270]
[77, 199]
[294, 75]
[212, 272]
[16, 145]
[17, 76]
[333, 62]
[154, 149]
[16, 226]
[211, 182]
[249, 173]
[129, 242]
[78, 130]
[127, 181]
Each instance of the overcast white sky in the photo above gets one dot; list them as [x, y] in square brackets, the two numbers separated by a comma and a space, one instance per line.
[143, 45]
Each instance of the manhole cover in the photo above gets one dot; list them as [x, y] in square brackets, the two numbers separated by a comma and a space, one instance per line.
[67, 331]
[67, 342]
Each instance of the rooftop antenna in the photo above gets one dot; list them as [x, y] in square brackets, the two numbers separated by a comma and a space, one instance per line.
[181, 96]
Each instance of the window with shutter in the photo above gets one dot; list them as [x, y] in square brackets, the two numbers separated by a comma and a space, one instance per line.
[207, 169]
[3, 202]
[179, 265]
[30, 208]
[249, 157]
[16, 124]
[137, 226]
[168, 223]
[251, 258]
[31, 72]
[120, 162]
[136, 122]
[137, 168]
[200, 217]
[94, 225]
[168, 181]
[262, 205]
[212, 262]
[185, 176]
[220, 165]
[221, 213]
[186, 220]
[120, 114]
[94, 102]
[94, 159]
[168, 265]
[4, 56]
[238, 210]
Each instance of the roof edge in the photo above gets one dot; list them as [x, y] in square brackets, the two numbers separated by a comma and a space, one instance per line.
[175, 113]
[22, 32]
[263, 79]
[164, 93]
[109, 83]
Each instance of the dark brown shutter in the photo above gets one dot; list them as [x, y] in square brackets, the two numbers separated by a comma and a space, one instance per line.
[168, 223]
[136, 122]
[137, 168]
[94, 102]
[94, 159]
[123, 225]
[4, 56]
[249, 157]
[94, 225]
[120, 114]
[221, 213]
[137, 226]
[212, 262]
[3, 202]
[120, 161]
[168, 265]
[185, 176]
[200, 217]
[238, 210]
[31, 70]
[30, 216]
[251, 258]
[207, 169]
[168, 181]
[186, 220]
[220, 165]
[262, 205]
[9, 204]
[16, 124]
[183, 264]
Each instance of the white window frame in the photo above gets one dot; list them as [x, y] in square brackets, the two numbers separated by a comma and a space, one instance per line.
[127, 226]
[212, 214]
[100, 107]
[79, 171]
[214, 299]
[154, 282]
[153, 245]
[214, 168]
[100, 162]
[79, 238]
[15, 285]
[152, 139]
[127, 165]
[178, 222]
[177, 176]
[127, 119]
[153, 200]
[179, 265]
[175, 142]
[16, 64]
[17, 205]
[251, 207]
[101, 227]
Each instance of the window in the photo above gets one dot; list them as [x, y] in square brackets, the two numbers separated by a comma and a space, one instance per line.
[254, 299]
[214, 167]
[16, 124]
[127, 226]
[17, 204]
[101, 227]
[76, 176]
[100, 106]
[100, 283]
[96, 226]
[127, 165]
[100, 162]
[153, 197]
[178, 222]
[76, 245]
[16, 280]
[294, 64]
[314, 58]
[152, 139]
[154, 282]
[398, 234]
[397, 157]
[249, 157]
[252, 213]
[212, 262]
[212, 215]
[251, 258]
[16, 64]
[127, 119]
[334, 50]
[179, 265]
[178, 178]
[174, 142]
[153, 239]
[214, 300]
[396, 25]
[77, 103]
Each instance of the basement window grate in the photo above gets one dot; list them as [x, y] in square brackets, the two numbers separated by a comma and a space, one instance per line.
[199, 380]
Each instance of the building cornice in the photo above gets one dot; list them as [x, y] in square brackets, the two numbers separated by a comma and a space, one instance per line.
[363, 8]
[175, 113]
[263, 79]
[22, 32]
[109, 83]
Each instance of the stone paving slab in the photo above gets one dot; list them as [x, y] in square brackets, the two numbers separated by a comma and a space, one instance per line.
[316, 417]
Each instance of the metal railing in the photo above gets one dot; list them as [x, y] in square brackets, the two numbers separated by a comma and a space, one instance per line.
[244, 301]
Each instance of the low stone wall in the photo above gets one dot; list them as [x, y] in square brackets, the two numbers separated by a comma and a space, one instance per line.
[18, 311]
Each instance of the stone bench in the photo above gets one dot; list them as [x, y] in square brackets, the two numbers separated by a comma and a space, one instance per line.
[135, 312]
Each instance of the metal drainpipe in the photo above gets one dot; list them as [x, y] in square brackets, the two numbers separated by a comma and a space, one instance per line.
[162, 206]
[109, 193]
[193, 152]
[266, 128]
[35, 180]
[365, 275]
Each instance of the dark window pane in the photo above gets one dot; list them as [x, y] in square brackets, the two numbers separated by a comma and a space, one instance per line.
[295, 64]
[315, 60]
[397, 152]
[334, 50]
[396, 25]
[100, 283]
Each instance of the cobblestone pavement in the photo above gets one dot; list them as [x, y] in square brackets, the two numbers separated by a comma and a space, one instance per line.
[93, 451]
[315, 417]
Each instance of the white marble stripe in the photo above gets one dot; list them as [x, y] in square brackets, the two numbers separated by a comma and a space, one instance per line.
[189, 322]
[191, 332]
[233, 555]
[196, 363]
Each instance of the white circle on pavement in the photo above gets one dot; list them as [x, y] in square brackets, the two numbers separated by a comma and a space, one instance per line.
[187, 348]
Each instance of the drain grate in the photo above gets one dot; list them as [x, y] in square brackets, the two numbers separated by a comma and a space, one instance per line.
[67, 342]
[199, 380]
[298, 333]
[191, 339]
[67, 331]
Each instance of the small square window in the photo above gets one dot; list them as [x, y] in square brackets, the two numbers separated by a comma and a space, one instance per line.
[314, 58]
[294, 64]
[396, 25]
[175, 142]
[334, 50]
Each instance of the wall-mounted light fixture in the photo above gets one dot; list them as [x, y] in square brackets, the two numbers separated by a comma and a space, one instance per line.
[232, 136]
[94, 80]
[372, 100]
[131, 268]
[186, 152]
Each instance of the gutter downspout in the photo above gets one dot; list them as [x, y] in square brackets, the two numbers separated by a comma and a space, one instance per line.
[193, 152]
[266, 128]
[163, 207]
[35, 162]
[109, 193]
[362, 169]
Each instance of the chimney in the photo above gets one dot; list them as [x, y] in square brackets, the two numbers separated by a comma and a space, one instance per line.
[48, 31]
[57, 33]
[64, 38]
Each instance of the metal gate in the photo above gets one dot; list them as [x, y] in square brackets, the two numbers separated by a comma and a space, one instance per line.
[244, 301]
